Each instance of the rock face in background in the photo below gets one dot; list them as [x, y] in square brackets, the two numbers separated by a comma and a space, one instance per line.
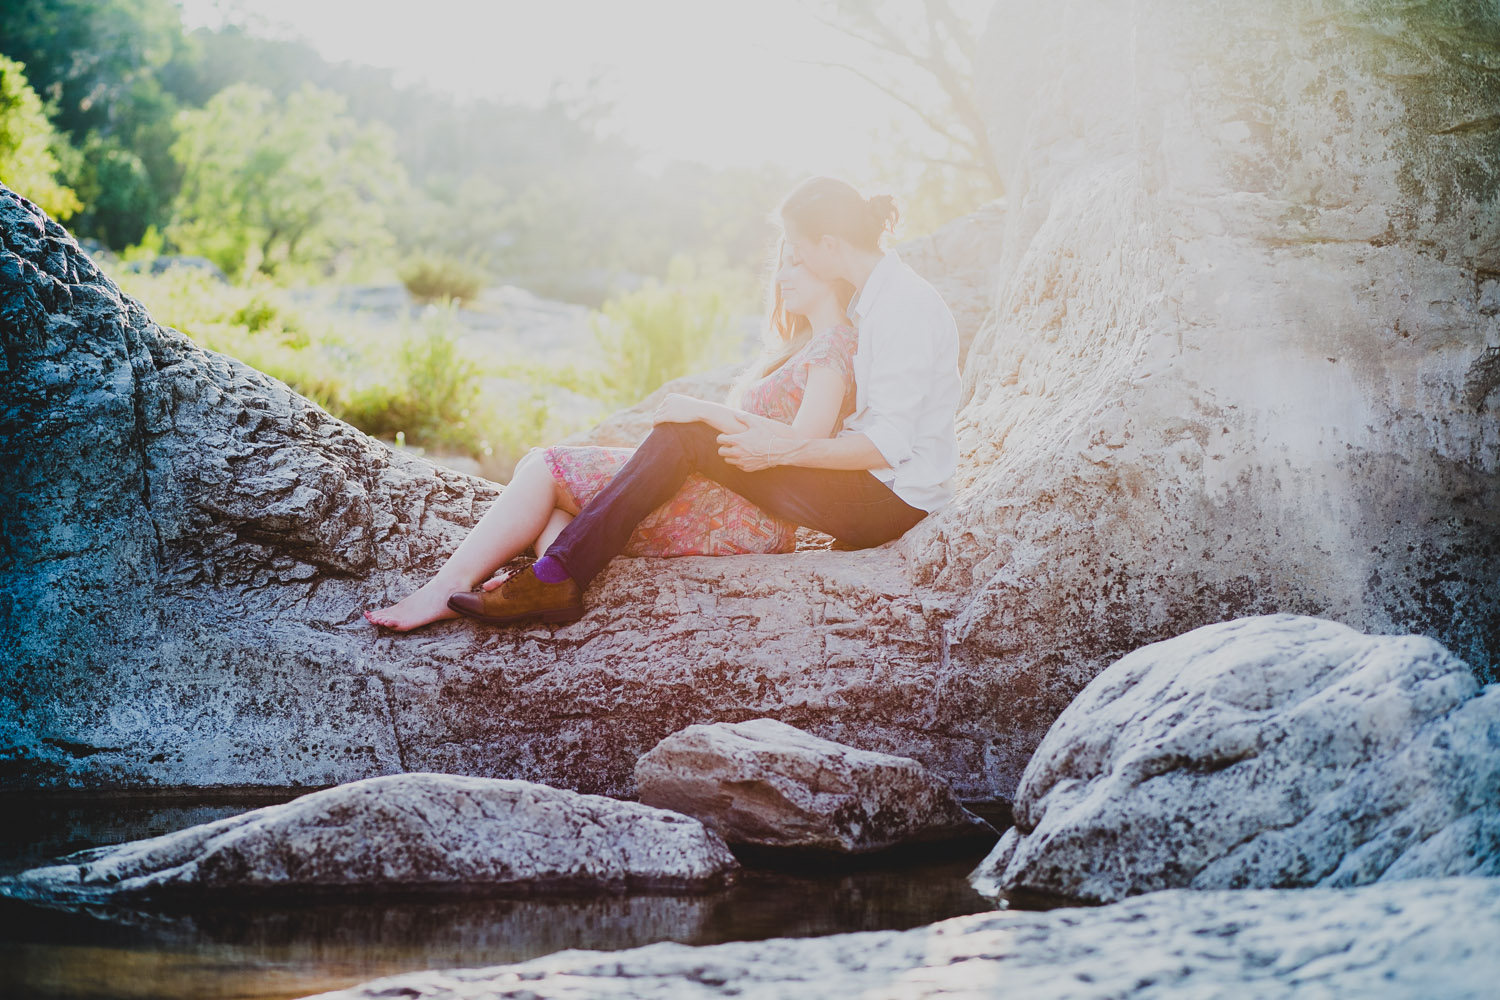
[766, 784]
[1241, 358]
[1416, 939]
[1243, 353]
[427, 832]
[1265, 753]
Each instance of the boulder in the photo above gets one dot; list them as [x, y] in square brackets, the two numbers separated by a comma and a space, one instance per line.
[1266, 752]
[1240, 359]
[1415, 939]
[425, 832]
[1241, 355]
[765, 784]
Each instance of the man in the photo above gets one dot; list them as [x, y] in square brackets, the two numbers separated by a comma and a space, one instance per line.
[890, 466]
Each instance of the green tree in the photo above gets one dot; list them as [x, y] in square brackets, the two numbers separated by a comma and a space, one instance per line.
[101, 67]
[28, 162]
[287, 188]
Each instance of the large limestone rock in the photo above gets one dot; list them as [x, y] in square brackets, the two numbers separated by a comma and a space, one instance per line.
[188, 546]
[1412, 940]
[765, 784]
[1243, 352]
[1240, 358]
[430, 832]
[1266, 752]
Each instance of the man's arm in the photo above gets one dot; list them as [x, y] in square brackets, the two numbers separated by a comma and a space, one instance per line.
[757, 449]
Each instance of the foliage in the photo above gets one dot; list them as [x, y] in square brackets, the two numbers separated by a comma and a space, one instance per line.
[433, 277]
[661, 331]
[28, 162]
[425, 394]
[291, 188]
[534, 196]
[432, 400]
[105, 67]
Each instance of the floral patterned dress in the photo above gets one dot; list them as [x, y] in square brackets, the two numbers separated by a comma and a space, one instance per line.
[704, 518]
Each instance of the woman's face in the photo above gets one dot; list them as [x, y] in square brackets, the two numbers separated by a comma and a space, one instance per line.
[801, 290]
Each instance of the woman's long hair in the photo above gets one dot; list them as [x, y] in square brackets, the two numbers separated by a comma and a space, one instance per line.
[786, 332]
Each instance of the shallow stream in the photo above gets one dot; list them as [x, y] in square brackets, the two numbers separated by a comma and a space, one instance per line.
[290, 950]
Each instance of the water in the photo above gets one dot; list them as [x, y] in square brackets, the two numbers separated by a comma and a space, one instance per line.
[289, 950]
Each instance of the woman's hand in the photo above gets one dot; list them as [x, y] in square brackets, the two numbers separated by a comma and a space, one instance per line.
[678, 409]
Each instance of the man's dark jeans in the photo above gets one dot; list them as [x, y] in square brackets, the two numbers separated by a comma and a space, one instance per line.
[854, 507]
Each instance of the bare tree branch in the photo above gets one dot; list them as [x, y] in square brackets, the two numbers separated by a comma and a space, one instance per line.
[946, 55]
[936, 124]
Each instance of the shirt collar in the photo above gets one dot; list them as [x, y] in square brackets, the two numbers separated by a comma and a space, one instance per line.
[879, 278]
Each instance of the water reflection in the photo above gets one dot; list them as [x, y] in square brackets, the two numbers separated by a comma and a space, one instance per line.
[290, 950]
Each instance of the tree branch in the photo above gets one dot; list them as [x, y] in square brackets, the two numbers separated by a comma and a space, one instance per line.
[938, 126]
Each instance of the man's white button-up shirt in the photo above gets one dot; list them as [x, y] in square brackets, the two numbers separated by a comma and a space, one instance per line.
[906, 382]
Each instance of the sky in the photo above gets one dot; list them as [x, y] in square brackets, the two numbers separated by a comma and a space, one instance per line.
[720, 82]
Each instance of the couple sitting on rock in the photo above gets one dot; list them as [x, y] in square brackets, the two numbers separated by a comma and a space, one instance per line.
[847, 433]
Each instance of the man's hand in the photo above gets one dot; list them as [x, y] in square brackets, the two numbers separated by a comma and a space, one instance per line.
[752, 450]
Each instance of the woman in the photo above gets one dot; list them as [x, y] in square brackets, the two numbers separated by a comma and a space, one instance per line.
[805, 381]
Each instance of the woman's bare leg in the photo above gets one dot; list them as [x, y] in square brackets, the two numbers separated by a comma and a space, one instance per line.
[513, 522]
[555, 524]
[549, 534]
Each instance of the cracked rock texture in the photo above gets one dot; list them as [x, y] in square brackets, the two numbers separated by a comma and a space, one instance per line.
[1239, 358]
[431, 832]
[1267, 753]
[767, 784]
[1415, 940]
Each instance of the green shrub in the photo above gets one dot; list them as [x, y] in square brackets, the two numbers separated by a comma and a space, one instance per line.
[659, 332]
[426, 393]
[435, 277]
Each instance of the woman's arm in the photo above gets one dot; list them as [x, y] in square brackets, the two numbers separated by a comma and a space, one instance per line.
[679, 409]
[816, 417]
[755, 449]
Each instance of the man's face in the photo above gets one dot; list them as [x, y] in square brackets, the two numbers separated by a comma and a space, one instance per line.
[820, 256]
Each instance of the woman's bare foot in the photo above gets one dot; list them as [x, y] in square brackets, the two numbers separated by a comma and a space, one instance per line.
[426, 605]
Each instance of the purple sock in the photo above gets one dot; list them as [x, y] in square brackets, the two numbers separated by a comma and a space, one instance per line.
[549, 570]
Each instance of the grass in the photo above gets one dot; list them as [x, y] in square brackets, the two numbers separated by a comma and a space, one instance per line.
[419, 388]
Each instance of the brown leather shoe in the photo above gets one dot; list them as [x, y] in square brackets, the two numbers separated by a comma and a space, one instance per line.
[521, 597]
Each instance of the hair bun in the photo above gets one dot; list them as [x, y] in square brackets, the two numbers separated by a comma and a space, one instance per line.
[883, 212]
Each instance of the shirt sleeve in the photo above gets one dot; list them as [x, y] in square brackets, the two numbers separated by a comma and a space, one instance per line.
[902, 352]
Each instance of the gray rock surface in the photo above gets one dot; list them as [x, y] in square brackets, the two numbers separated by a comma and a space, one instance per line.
[1240, 359]
[434, 832]
[1265, 752]
[1415, 940]
[767, 784]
